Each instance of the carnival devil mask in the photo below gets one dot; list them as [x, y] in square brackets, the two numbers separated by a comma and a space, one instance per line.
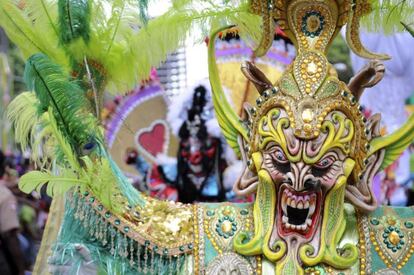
[306, 144]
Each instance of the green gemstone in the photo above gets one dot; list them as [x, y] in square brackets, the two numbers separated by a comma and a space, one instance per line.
[126, 229]
[385, 235]
[91, 199]
[165, 251]
[107, 215]
[190, 246]
[234, 228]
[226, 218]
[85, 193]
[386, 230]
[210, 213]
[117, 222]
[353, 100]
[100, 207]
[155, 248]
[409, 224]
[374, 221]
[181, 248]
[244, 212]
[147, 243]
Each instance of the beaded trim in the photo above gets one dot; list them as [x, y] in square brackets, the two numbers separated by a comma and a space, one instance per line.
[122, 226]
[199, 248]
[364, 245]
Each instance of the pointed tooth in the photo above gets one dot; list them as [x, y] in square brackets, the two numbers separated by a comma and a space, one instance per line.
[303, 227]
[293, 203]
[284, 197]
[306, 205]
[300, 205]
[309, 222]
[289, 200]
[284, 219]
[287, 225]
[311, 209]
[307, 198]
[284, 207]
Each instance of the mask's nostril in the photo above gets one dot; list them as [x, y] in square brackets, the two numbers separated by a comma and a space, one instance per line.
[312, 184]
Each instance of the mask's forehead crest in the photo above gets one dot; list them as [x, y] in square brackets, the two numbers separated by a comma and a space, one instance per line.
[312, 25]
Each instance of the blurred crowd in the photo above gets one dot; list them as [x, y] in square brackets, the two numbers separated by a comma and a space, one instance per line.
[22, 217]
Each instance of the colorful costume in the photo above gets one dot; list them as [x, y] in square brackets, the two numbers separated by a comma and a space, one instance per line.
[306, 146]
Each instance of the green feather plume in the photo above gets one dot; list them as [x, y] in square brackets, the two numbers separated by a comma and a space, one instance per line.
[74, 16]
[56, 185]
[408, 28]
[169, 31]
[386, 15]
[32, 29]
[70, 106]
[22, 112]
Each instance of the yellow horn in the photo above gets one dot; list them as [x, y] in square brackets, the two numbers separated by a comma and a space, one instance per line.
[353, 38]
[230, 123]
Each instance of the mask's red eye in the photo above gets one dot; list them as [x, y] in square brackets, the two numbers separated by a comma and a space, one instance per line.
[324, 163]
[279, 156]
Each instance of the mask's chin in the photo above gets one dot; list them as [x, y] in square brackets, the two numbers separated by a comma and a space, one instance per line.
[298, 212]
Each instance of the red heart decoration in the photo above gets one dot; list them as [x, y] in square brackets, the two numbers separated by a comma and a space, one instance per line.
[153, 140]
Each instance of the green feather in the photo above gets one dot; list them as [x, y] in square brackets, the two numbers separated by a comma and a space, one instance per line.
[32, 28]
[408, 29]
[70, 106]
[386, 15]
[169, 31]
[22, 112]
[143, 10]
[35, 180]
[74, 19]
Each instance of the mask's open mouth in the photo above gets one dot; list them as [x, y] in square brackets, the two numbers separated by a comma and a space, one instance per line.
[298, 212]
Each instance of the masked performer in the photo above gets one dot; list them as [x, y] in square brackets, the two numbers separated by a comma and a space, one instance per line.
[307, 149]
[200, 164]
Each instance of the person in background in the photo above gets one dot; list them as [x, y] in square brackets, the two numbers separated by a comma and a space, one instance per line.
[11, 256]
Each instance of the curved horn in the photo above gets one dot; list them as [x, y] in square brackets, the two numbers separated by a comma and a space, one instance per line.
[352, 35]
[255, 75]
[230, 123]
